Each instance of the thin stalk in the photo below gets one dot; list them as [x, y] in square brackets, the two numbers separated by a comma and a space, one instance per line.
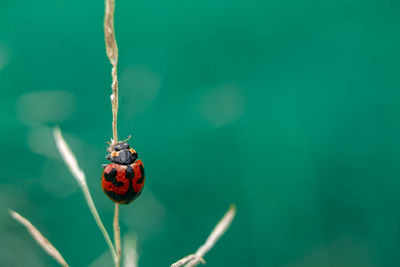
[117, 234]
[79, 175]
[40, 239]
[112, 54]
[221, 227]
[96, 216]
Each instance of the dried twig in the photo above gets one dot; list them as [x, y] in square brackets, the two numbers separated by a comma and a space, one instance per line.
[117, 234]
[40, 239]
[72, 164]
[217, 232]
[112, 53]
[186, 259]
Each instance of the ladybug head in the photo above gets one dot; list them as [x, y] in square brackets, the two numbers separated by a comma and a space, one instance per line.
[121, 153]
[119, 146]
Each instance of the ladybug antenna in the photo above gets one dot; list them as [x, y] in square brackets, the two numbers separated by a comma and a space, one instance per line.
[129, 137]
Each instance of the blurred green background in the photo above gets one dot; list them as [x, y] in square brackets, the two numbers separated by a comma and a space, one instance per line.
[290, 109]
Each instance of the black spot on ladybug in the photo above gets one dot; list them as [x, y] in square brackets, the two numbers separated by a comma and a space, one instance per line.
[140, 180]
[129, 172]
[126, 198]
[112, 177]
[123, 199]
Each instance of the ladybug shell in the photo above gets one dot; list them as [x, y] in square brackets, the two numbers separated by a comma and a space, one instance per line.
[123, 183]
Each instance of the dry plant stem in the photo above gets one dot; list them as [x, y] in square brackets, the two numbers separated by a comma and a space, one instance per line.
[217, 232]
[117, 233]
[184, 260]
[114, 103]
[112, 54]
[80, 177]
[40, 239]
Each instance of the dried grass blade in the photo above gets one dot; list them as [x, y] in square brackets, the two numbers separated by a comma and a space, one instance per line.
[40, 239]
[184, 260]
[109, 33]
[79, 175]
[217, 232]
[117, 233]
[112, 53]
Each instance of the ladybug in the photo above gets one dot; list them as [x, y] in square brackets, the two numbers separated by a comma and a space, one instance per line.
[123, 179]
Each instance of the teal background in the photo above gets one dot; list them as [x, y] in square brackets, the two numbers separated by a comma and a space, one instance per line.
[290, 109]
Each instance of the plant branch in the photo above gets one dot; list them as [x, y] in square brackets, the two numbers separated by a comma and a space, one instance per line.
[40, 239]
[80, 177]
[223, 225]
[186, 259]
[112, 53]
[117, 234]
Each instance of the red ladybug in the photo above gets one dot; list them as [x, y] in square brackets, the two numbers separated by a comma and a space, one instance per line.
[122, 181]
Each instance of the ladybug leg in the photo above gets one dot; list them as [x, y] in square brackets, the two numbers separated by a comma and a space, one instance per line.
[132, 151]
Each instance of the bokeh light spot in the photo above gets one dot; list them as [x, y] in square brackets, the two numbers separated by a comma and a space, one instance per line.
[222, 105]
[45, 106]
